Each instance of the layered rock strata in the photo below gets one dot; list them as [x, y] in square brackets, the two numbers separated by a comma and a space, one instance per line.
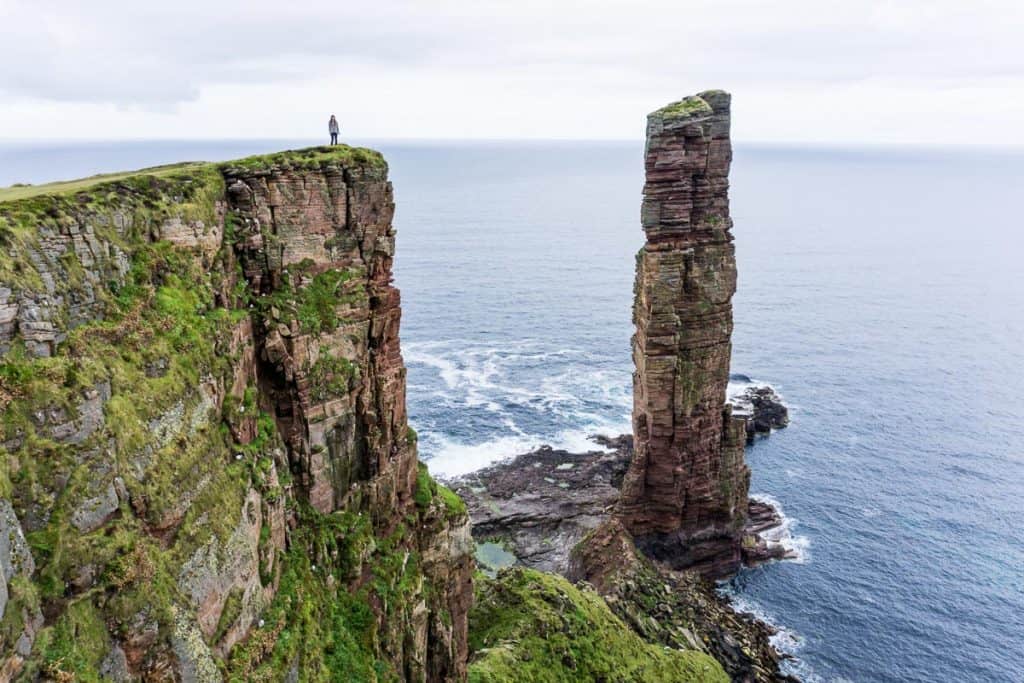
[684, 497]
[206, 471]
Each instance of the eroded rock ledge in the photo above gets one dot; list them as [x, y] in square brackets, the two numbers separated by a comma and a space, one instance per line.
[540, 504]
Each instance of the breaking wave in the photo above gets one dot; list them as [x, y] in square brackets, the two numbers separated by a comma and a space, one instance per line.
[797, 547]
[473, 405]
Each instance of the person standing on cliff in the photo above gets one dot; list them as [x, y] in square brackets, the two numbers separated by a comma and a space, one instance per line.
[334, 129]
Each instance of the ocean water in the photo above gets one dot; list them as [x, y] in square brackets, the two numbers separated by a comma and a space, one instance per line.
[881, 292]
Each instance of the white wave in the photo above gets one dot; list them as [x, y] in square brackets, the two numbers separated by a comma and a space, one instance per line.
[785, 640]
[797, 547]
[559, 386]
[452, 458]
[737, 387]
[449, 458]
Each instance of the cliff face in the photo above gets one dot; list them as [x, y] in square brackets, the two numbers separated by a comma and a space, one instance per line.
[206, 471]
[684, 497]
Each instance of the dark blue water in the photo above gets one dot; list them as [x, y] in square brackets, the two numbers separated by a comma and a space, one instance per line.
[881, 292]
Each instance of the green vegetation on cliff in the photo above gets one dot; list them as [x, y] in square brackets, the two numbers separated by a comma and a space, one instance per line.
[310, 158]
[684, 108]
[533, 627]
[428, 490]
[315, 624]
[138, 477]
[67, 187]
[173, 531]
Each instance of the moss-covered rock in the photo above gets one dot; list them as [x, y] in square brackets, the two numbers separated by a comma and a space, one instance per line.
[531, 626]
[204, 462]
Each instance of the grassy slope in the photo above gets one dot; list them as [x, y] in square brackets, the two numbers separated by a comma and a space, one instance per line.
[533, 627]
[65, 187]
[308, 157]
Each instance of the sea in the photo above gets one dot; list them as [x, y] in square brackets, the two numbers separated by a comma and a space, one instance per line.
[881, 293]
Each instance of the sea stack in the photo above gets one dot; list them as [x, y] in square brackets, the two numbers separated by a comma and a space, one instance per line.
[684, 497]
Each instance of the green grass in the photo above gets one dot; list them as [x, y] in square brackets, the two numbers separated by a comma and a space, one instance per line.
[428, 490]
[314, 618]
[531, 627]
[314, 305]
[686, 107]
[67, 187]
[310, 157]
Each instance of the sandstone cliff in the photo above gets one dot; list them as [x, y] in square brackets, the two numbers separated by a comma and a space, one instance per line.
[684, 496]
[206, 471]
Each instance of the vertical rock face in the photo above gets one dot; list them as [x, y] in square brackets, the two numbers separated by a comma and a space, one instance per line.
[206, 470]
[684, 497]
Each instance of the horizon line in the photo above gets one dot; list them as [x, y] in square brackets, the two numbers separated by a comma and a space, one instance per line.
[362, 141]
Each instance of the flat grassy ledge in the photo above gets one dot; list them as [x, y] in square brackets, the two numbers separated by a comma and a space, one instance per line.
[530, 626]
[309, 158]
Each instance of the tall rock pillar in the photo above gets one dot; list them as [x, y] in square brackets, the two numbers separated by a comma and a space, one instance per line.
[684, 497]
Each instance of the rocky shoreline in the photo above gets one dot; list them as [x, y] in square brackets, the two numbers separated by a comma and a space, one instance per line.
[541, 503]
[535, 509]
[761, 406]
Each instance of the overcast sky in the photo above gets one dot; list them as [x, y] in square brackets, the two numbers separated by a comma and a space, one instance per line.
[912, 71]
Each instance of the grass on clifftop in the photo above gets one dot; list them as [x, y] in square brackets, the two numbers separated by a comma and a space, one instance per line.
[310, 157]
[66, 187]
[534, 627]
[686, 107]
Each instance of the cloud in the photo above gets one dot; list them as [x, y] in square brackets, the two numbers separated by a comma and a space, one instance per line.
[116, 57]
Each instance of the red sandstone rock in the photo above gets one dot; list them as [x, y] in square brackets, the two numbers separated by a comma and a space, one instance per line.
[350, 445]
[684, 497]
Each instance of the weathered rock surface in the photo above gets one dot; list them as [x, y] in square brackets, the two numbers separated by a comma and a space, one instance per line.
[684, 496]
[677, 490]
[540, 505]
[205, 464]
[672, 608]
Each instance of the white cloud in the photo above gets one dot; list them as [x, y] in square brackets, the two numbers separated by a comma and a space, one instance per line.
[825, 71]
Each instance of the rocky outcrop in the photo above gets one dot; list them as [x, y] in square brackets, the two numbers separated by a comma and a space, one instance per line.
[542, 503]
[678, 610]
[761, 407]
[205, 458]
[539, 505]
[684, 497]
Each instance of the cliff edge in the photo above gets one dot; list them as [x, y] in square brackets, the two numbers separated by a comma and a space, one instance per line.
[206, 470]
